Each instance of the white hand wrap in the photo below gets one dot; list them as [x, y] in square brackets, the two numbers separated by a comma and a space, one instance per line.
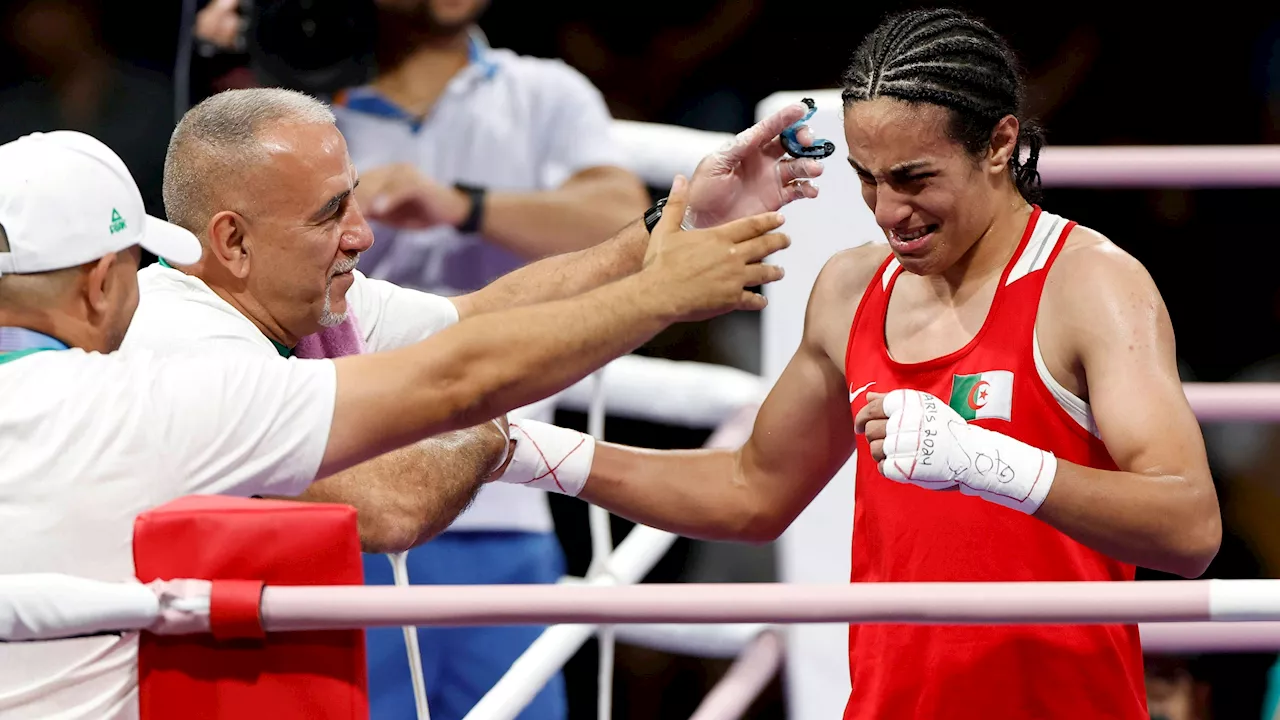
[928, 444]
[549, 458]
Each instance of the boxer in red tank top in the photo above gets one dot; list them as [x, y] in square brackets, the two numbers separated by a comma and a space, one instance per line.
[902, 534]
[1008, 380]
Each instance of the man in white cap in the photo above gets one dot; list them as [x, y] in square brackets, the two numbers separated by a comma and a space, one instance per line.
[90, 437]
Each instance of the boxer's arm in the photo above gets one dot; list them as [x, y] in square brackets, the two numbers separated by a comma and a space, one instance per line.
[802, 436]
[1161, 510]
[408, 496]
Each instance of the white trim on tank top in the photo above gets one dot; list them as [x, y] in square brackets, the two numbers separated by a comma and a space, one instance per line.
[1044, 238]
[1078, 409]
[887, 275]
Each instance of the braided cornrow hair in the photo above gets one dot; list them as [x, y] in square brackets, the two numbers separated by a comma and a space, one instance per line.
[945, 58]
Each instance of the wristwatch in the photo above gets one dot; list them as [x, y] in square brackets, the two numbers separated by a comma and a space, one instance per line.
[476, 194]
[654, 214]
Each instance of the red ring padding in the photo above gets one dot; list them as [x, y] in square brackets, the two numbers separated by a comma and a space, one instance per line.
[238, 672]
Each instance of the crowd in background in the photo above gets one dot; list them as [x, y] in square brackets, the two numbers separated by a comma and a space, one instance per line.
[1107, 75]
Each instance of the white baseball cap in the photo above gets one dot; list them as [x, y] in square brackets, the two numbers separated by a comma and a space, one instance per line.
[66, 199]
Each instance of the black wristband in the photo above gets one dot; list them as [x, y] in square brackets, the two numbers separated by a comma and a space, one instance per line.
[653, 215]
[476, 194]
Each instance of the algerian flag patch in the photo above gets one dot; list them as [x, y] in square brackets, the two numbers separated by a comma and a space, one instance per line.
[985, 395]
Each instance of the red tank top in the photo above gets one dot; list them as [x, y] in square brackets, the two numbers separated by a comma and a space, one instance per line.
[903, 533]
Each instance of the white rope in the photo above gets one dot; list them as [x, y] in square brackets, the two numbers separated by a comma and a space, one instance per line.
[657, 153]
[672, 392]
[400, 572]
[50, 605]
[706, 641]
[601, 550]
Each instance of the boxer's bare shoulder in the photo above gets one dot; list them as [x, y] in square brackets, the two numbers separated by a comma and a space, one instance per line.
[836, 295]
[1095, 293]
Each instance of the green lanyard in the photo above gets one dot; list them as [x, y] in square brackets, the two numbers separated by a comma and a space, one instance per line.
[284, 350]
[18, 343]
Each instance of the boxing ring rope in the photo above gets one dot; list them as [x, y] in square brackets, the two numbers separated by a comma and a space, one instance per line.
[754, 668]
[296, 608]
[1178, 616]
[601, 549]
[50, 606]
[53, 606]
[1207, 166]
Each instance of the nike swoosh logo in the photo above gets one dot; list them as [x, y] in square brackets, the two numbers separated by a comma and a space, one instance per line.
[853, 394]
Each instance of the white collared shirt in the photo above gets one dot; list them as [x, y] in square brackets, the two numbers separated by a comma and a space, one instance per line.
[505, 122]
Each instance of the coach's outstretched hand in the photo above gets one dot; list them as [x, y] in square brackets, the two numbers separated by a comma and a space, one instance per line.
[703, 273]
[752, 174]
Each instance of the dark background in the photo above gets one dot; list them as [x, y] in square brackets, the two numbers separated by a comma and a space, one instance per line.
[1099, 74]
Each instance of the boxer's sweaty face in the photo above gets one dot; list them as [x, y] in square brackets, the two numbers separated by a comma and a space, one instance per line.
[312, 232]
[926, 191]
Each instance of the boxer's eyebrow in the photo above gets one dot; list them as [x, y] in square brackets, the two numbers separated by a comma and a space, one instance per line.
[900, 172]
[906, 168]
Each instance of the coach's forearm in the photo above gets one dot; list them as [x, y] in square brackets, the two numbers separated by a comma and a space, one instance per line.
[1163, 522]
[562, 276]
[694, 493]
[408, 496]
[484, 367]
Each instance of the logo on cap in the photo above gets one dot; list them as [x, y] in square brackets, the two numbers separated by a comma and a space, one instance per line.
[117, 222]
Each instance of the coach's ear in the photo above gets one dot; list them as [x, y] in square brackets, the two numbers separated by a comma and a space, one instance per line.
[95, 285]
[229, 242]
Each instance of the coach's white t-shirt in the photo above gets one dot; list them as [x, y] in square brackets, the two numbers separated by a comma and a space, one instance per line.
[89, 441]
[178, 312]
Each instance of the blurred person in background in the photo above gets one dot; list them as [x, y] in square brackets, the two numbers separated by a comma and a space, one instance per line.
[473, 161]
[71, 81]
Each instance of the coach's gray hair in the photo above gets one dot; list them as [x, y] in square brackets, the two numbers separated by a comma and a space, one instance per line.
[218, 139]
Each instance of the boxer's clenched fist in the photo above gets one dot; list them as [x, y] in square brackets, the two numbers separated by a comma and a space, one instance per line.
[916, 438]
